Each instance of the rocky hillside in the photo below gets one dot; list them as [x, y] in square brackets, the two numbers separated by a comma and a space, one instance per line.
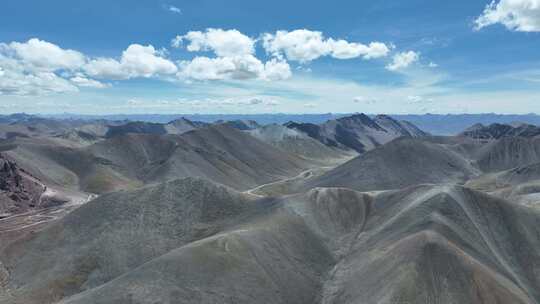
[19, 191]
[496, 131]
[358, 132]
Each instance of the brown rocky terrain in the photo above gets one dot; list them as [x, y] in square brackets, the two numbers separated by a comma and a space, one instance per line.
[19, 191]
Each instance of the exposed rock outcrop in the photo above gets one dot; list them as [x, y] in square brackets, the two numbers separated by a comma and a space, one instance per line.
[19, 191]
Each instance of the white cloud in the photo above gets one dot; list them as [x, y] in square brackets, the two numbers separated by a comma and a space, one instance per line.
[23, 78]
[517, 15]
[342, 49]
[176, 42]
[235, 58]
[403, 60]
[136, 61]
[237, 68]
[144, 61]
[39, 67]
[45, 55]
[106, 68]
[221, 68]
[310, 105]
[81, 81]
[174, 9]
[298, 45]
[39, 83]
[235, 53]
[224, 43]
[276, 69]
[305, 45]
[433, 65]
[364, 100]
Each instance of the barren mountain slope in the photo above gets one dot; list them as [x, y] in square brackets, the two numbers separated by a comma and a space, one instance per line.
[299, 143]
[520, 185]
[183, 125]
[219, 153]
[440, 244]
[118, 232]
[228, 156]
[496, 131]
[508, 152]
[424, 244]
[400, 163]
[192, 240]
[358, 132]
[68, 167]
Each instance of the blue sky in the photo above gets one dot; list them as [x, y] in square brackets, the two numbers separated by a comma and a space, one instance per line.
[101, 57]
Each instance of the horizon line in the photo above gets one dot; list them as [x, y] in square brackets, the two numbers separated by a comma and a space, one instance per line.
[270, 114]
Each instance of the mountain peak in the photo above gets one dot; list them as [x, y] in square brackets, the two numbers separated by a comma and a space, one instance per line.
[498, 130]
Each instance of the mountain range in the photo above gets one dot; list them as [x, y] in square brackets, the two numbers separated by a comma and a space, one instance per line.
[353, 209]
[437, 124]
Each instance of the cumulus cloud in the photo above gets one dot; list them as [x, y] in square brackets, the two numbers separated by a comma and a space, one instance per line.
[234, 57]
[342, 49]
[23, 74]
[45, 55]
[224, 43]
[403, 60]
[305, 45]
[81, 81]
[16, 82]
[517, 15]
[276, 69]
[136, 61]
[236, 68]
[221, 68]
[40, 67]
[108, 68]
[235, 53]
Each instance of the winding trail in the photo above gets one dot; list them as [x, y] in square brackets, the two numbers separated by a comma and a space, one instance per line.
[301, 176]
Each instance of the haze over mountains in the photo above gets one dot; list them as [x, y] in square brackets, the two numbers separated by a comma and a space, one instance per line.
[355, 209]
